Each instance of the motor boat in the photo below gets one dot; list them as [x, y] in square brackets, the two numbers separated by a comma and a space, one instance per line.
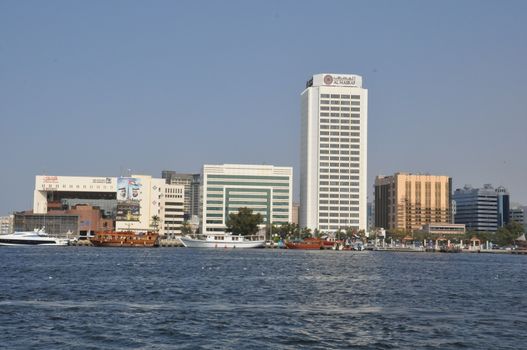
[36, 237]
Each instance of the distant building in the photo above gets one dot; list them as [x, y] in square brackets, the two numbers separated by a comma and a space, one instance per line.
[6, 224]
[477, 208]
[371, 216]
[333, 153]
[192, 184]
[503, 206]
[90, 218]
[294, 213]
[55, 223]
[444, 229]
[131, 203]
[518, 215]
[265, 189]
[409, 201]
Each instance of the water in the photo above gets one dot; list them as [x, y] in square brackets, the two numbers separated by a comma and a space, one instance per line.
[168, 298]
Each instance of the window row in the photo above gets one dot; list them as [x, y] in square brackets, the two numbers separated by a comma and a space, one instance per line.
[353, 97]
[332, 209]
[342, 159]
[341, 115]
[338, 145]
[336, 139]
[345, 109]
[340, 102]
[338, 195]
[342, 177]
[342, 121]
[337, 214]
[339, 127]
[338, 189]
[345, 222]
[340, 133]
[339, 202]
[337, 183]
[341, 151]
[342, 165]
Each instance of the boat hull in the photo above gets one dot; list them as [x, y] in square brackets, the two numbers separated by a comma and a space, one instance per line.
[200, 243]
[125, 239]
[32, 243]
[31, 239]
[304, 246]
[311, 244]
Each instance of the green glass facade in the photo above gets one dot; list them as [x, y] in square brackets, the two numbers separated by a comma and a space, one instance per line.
[268, 195]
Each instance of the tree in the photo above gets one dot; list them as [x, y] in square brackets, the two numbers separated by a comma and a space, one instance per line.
[244, 222]
[507, 234]
[305, 232]
[397, 234]
[155, 222]
[186, 229]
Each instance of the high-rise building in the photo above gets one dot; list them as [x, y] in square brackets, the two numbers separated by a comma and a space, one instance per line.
[371, 216]
[333, 150]
[503, 206]
[477, 208]
[265, 189]
[409, 201]
[192, 183]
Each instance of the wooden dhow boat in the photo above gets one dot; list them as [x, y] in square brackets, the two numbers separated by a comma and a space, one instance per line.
[311, 244]
[125, 239]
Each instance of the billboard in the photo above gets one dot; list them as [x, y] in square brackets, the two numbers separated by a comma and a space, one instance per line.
[129, 195]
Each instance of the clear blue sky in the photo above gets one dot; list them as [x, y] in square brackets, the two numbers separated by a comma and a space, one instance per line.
[94, 87]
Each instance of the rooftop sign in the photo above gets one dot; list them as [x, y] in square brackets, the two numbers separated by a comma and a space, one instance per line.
[325, 79]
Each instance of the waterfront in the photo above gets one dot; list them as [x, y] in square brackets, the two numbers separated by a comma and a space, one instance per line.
[96, 298]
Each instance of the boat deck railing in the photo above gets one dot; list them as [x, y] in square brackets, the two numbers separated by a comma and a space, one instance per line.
[222, 237]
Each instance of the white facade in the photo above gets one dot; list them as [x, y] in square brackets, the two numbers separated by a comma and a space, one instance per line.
[265, 189]
[47, 184]
[333, 162]
[172, 210]
[154, 198]
[6, 224]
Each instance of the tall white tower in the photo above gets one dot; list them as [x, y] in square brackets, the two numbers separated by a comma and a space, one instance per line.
[333, 160]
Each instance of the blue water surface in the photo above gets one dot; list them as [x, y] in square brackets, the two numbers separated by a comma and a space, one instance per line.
[176, 298]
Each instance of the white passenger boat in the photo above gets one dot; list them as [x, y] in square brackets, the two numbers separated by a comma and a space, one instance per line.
[223, 240]
[36, 237]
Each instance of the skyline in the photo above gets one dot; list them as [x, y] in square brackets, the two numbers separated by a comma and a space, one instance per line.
[95, 89]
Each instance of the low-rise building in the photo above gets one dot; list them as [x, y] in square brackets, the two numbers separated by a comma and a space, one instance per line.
[138, 202]
[6, 224]
[56, 224]
[518, 215]
[444, 229]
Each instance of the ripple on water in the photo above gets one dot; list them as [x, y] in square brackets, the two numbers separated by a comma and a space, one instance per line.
[230, 299]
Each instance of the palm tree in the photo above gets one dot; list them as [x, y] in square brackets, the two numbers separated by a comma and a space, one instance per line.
[155, 222]
[186, 229]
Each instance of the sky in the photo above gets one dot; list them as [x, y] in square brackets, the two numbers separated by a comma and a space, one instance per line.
[93, 88]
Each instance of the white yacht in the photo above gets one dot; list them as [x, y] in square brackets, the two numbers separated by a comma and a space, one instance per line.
[36, 237]
[223, 240]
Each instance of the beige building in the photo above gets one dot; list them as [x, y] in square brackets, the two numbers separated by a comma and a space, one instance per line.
[409, 201]
[130, 202]
[6, 224]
